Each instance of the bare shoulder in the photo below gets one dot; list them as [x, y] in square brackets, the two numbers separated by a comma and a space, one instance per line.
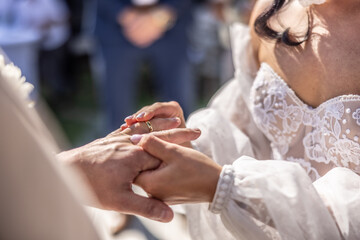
[260, 7]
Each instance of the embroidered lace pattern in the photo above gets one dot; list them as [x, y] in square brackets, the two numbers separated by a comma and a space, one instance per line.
[317, 138]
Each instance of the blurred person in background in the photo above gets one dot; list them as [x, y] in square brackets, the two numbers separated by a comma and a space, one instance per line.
[210, 41]
[48, 19]
[130, 33]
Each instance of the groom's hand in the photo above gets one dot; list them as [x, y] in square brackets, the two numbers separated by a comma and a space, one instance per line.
[111, 164]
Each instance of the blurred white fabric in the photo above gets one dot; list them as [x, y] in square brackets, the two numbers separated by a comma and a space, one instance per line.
[37, 201]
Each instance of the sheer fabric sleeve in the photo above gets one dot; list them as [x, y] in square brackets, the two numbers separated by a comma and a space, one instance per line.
[277, 200]
[230, 107]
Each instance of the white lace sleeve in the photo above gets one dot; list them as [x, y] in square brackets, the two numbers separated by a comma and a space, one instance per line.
[277, 200]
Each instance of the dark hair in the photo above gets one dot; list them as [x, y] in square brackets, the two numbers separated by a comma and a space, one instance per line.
[263, 30]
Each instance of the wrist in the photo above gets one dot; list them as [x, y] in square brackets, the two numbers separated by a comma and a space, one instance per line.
[213, 183]
[70, 157]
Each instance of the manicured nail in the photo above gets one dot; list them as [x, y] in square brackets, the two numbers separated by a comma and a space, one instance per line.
[140, 115]
[136, 138]
[128, 118]
[122, 127]
[175, 119]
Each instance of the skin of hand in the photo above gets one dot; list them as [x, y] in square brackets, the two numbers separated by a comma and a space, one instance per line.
[140, 25]
[111, 164]
[185, 176]
[157, 110]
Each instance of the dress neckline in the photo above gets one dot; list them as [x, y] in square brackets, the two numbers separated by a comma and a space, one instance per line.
[299, 101]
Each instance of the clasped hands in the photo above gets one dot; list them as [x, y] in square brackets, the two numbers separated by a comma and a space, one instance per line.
[185, 175]
[162, 163]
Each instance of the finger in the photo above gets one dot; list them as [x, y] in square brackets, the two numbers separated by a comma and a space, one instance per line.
[147, 207]
[132, 118]
[158, 124]
[159, 109]
[165, 109]
[159, 148]
[116, 132]
[147, 162]
[124, 126]
[177, 136]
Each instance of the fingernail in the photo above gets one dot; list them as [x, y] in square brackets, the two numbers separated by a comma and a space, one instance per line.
[175, 119]
[123, 126]
[136, 138]
[165, 215]
[128, 118]
[140, 115]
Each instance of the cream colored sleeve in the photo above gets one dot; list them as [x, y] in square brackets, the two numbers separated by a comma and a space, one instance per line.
[36, 202]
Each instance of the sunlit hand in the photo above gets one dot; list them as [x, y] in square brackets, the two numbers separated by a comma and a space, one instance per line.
[157, 110]
[185, 176]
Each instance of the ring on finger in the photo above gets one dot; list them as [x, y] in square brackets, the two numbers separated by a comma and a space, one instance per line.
[148, 124]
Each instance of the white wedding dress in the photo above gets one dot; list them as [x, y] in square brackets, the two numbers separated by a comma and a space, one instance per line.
[311, 188]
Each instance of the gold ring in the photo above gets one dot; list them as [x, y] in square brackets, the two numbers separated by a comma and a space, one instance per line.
[148, 124]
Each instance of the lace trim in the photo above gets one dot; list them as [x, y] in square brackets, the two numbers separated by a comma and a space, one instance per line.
[294, 96]
[223, 189]
[330, 130]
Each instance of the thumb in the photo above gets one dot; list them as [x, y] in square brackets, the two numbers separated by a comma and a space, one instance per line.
[148, 207]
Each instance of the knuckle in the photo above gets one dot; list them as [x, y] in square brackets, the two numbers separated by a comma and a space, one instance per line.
[175, 104]
[136, 126]
[168, 135]
[170, 148]
[147, 139]
[157, 104]
[136, 152]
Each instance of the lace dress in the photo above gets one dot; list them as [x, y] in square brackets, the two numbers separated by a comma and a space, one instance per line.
[310, 189]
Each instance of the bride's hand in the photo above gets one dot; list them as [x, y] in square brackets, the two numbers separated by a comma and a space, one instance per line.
[185, 176]
[157, 110]
[156, 125]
